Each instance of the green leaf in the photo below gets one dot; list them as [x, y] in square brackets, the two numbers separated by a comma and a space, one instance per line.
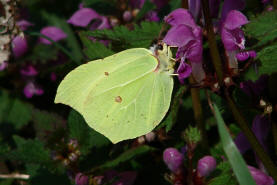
[175, 4]
[19, 114]
[268, 58]
[30, 151]
[224, 175]
[140, 36]
[128, 155]
[86, 136]
[171, 118]
[94, 49]
[237, 163]
[263, 27]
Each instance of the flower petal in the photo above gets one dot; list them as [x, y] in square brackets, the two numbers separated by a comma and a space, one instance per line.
[28, 71]
[229, 5]
[53, 33]
[260, 177]
[20, 46]
[83, 16]
[179, 36]
[184, 70]
[235, 19]
[242, 56]
[23, 24]
[180, 16]
[100, 23]
[194, 8]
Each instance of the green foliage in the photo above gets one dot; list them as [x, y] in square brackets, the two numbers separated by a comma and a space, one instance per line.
[263, 27]
[224, 175]
[147, 6]
[171, 118]
[30, 151]
[174, 4]
[140, 37]
[128, 155]
[192, 135]
[94, 49]
[86, 136]
[43, 52]
[236, 160]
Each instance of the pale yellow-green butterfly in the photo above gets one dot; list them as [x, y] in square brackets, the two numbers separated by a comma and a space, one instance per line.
[122, 96]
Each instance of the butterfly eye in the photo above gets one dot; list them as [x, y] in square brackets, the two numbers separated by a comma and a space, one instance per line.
[160, 47]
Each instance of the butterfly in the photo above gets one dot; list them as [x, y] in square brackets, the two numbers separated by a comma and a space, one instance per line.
[122, 96]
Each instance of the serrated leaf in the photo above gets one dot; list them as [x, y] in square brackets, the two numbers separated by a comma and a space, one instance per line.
[223, 179]
[94, 49]
[19, 114]
[234, 157]
[30, 151]
[128, 155]
[141, 36]
[171, 118]
[268, 58]
[263, 27]
[86, 136]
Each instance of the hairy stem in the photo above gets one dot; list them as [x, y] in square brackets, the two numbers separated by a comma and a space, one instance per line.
[198, 112]
[185, 4]
[212, 42]
[269, 165]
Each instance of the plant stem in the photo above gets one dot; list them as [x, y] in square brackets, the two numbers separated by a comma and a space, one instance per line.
[212, 42]
[269, 165]
[274, 134]
[185, 4]
[198, 112]
[275, 4]
[257, 147]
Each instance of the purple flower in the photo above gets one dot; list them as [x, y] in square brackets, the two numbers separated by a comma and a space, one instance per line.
[19, 46]
[260, 127]
[53, 77]
[53, 33]
[3, 65]
[195, 8]
[229, 5]
[31, 89]
[101, 23]
[254, 89]
[23, 24]
[28, 70]
[242, 56]
[187, 36]
[152, 16]
[206, 165]
[81, 179]
[231, 34]
[127, 16]
[260, 177]
[173, 159]
[83, 17]
[184, 70]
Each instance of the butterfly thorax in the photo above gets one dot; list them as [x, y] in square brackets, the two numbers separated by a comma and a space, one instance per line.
[164, 56]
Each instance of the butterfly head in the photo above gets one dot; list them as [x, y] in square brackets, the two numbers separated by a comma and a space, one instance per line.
[164, 55]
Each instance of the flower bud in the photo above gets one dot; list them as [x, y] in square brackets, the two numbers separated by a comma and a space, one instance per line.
[127, 16]
[206, 165]
[81, 179]
[260, 177]
[173, 159]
